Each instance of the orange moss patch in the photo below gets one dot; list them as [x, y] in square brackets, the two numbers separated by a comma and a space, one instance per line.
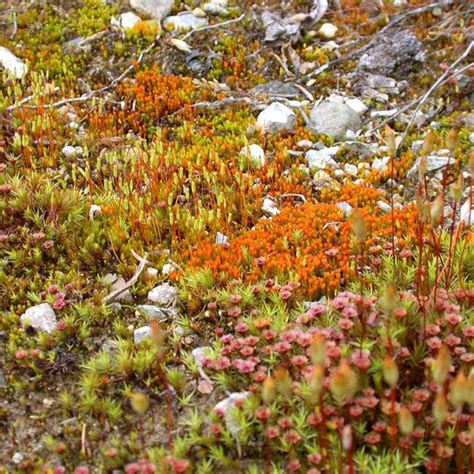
[311, 244]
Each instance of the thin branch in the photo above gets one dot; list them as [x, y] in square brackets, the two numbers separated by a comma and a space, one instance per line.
[416, 101]
[395, 21]
[434, 87]
[143, 263]
[211, 27]
[89, 95]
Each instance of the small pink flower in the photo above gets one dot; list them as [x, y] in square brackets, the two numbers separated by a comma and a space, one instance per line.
[294, 465]
[314, 458]
[432, 329]
[234, 312]
[373, 438]
[20, 354]
[247, 351]
[269, 334]
[421, 395]
[82, 470]
[59, 304]
[272, 432]
[179, 466]
[346, 324]
[453, 319]
[469, 332]
[222, 363]
[434, 343]
[332, 252]
[235, 299]
[361, 359]
[61, 325]
[241, 327]
[292, 437]
[299, 360]
[38, 236]
[451, 340]
[282, 347]
[355, 411]
[252, 341]
[228, 338]
[59, 470]
[379, 427]
[400, 313]
[259, 376]
[263, 414]
[48, 244]
[260, 261]
[349, 312]
[244, 366]
[285, 423]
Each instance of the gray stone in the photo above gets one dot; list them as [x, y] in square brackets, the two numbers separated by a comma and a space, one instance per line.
[184, 22]
[255, 153]
[126, 20]
[40, 317]
[158, 9]
[275, 118]
[164, 295]
[345, 207]
[12, 64]
[155, 312]
[216, 7]
[270, 207]
[334, 119]
[381, 164]
[225, 408]
[276, 89]
[433, 163]
[3, 380]
[322, 159]
[221, 239]
[124, 297]
[141, 334]
[394, 55]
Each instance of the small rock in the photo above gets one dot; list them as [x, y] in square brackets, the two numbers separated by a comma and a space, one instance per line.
[126, 20]
[221, 239]
[321, 159]
[433, 163]
[155, 312]
[141, 334]
[152, 274]
[361, 148]
[345, 207]
[381, 164]
[169, 267]
[225, 407]
[164, 295]
[384, 206]
[275, 118]
[93, 210]
[357, 106]
[72, 151]
[351, 169]
[255, 153]
[17, 458]
[3, 380]
[327, 31]
[417, 145]
[216, 7]
[40, 317]
[394, 55]
[334, 119]
[276, 89]
[158, 9]
[185, 22]
[200, 354]
[471, 137]
[126, 296]
[15, 66]
[466, 213]
[270, 207]
[305, 144]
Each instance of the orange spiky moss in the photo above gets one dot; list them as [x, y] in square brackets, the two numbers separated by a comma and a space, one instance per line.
[311, 243]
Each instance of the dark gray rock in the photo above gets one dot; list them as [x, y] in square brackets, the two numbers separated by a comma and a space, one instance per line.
[394, 55]
[276, 89]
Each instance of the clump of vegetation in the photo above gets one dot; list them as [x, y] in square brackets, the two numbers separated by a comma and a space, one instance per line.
[209, 310]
